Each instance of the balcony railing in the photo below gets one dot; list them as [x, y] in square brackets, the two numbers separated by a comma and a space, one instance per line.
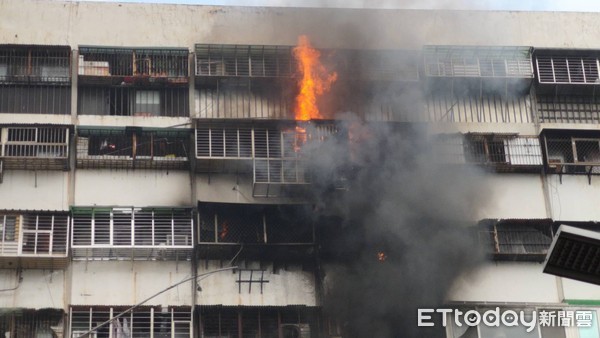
[144, 321]
[515, 239]
[132, 148]
[144, 66]
[35, 147]
[128, 232]
[572, 152]
[30, 64]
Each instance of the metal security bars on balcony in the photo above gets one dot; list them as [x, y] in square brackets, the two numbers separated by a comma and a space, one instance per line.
[516, 239]
[35, 99]
[37, 238]
[144, 66]
[567, 67]
[143, 321]
[131, 233]
[501, 152]
[223, 223]
[568, 108]
[23, 322]
[478, 62]
[34, 147]
[129, 101]
[572, 152]
[132, 148]
[30, 64]
[273, 153]
[243, 61]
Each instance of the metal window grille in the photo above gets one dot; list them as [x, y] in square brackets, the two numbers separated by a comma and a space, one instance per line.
[244, 60]
[144, 321]
[573, 155]
[490, 108]
[35, 142]
[221, 223]
[132, 148]
[526, 239]
[568, 109]
[260, 321]
[9, 234]
[35, 64]
[484, 62]
[154, 231]
[563, 69]
[129, 101]
[35, 99]
[44, 234]
[20, 322]
[164, 63]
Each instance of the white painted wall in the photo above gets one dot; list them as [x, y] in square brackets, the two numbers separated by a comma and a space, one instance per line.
[514, 196]
[127, 282]
[132, 188]
[519, 282]
[574, 199]
[286, 287]
[34, 190]
[576, 290]
[38, 289]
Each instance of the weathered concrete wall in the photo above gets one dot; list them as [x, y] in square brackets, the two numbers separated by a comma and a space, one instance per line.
[290, 286]
[34, 190]
[127, 282]
[133, 188]
[116, 24]
[38, 289]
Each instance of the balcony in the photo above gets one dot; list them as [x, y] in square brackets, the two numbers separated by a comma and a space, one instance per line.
[489, 66]
[100, 233]
[35, 64]
[133, 66]
[34, 147]
[143, 321]
[132, 148]
[33, 239]
[573, 152]
[516, 239]
[272, 153]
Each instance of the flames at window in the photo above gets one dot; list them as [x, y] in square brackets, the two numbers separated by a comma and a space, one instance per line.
[314, 80]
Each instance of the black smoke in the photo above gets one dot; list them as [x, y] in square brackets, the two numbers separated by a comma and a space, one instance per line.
[393, 225]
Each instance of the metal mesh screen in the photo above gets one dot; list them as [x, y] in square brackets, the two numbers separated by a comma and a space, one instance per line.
[516, 238]
[573, 155]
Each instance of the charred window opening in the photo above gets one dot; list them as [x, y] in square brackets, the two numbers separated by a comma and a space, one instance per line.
[144, 321]
[254, 224]
[132, 148]
[516, 239]
[152, 233]
[128, 101]
[22, 322]
[572, 152]
[264, 321]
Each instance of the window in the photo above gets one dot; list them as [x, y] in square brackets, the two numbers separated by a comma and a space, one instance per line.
[8, 228]
[573, 152]
[516, 239]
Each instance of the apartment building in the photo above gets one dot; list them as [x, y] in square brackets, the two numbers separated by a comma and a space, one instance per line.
[152, 169]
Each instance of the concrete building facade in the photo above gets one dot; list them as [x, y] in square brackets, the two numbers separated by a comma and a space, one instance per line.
[145, 144]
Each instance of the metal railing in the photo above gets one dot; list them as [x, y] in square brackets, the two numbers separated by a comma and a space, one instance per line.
[562, 69]
[573, 155]
[25, 147]
[132, 148]
[478, 62]
[514, 238]
[38, 234]
[35, 64]
[161, 63]
[143, 321]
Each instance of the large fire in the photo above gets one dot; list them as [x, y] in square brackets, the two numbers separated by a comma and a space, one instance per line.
[314, 80]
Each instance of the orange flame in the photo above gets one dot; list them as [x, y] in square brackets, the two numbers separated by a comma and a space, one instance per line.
[314, 81]
[381, 256]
